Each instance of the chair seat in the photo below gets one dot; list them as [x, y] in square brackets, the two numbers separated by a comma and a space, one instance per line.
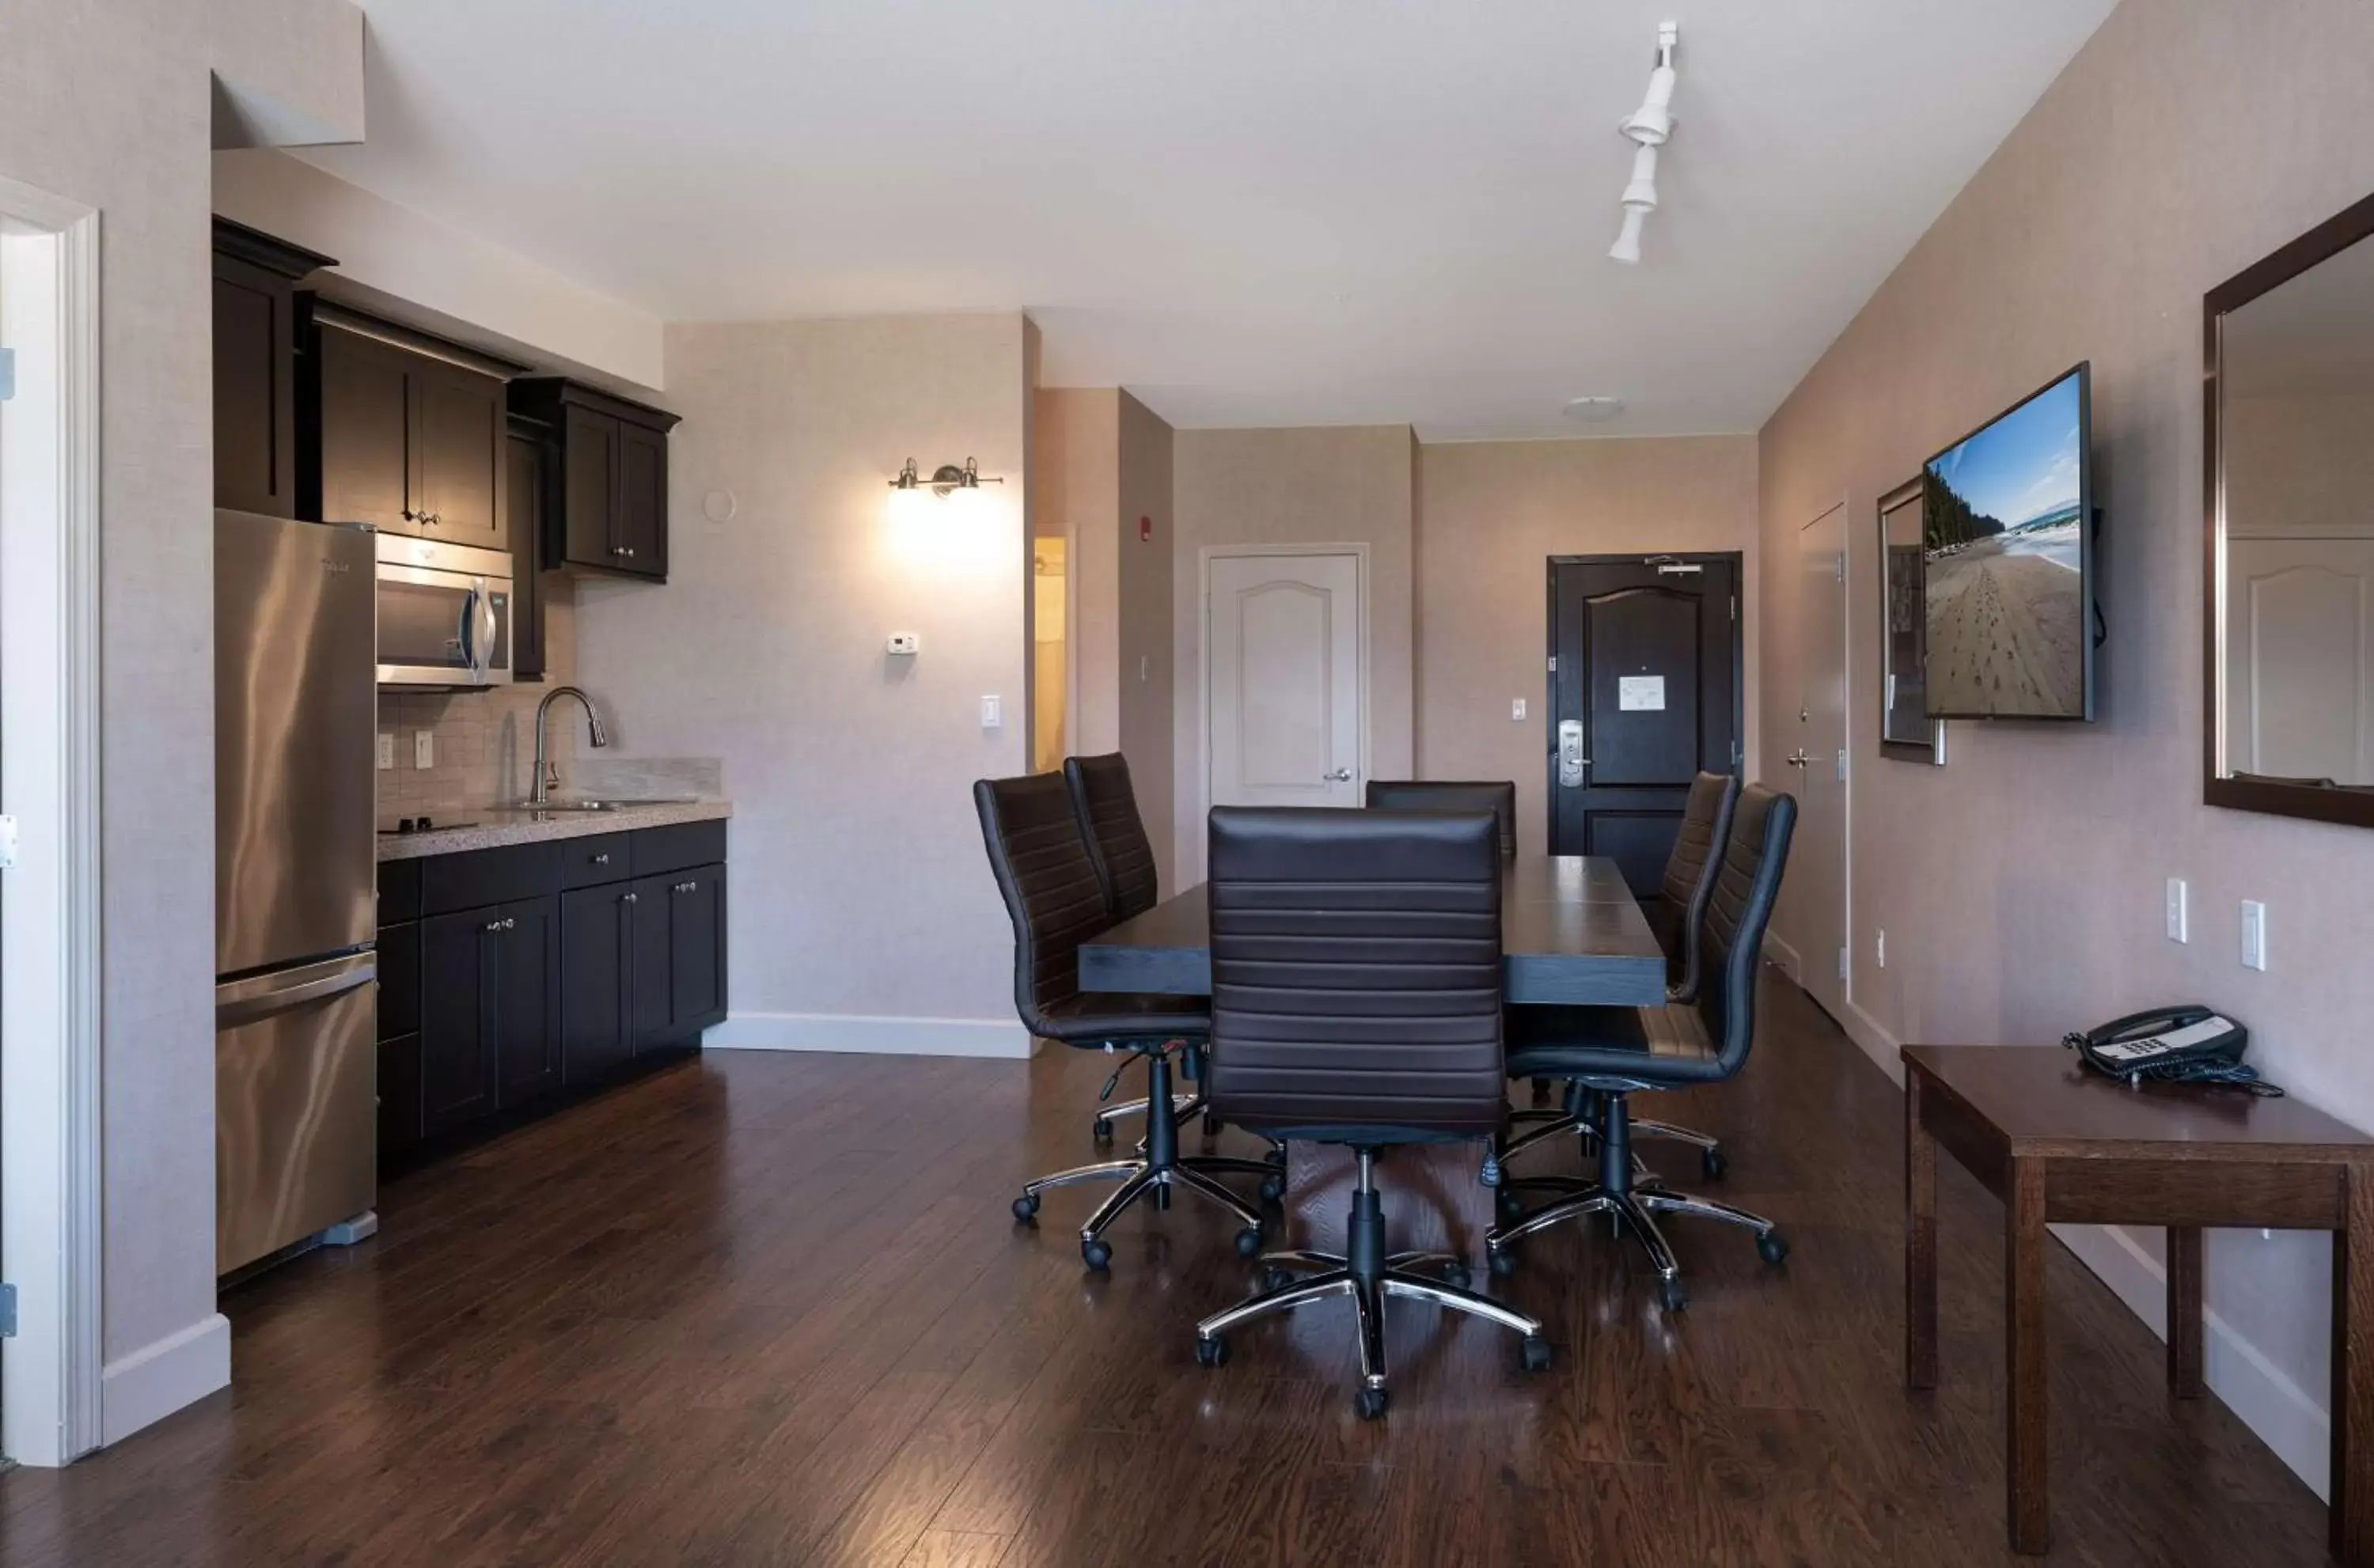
[1092, 1018]
[1623, 1046]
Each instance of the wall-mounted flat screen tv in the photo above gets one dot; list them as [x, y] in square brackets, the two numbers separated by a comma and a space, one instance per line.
[2007, 562]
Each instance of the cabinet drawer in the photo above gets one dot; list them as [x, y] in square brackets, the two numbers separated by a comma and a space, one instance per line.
[399, 891]
[449, 882]
[591, 861]
[399, 981]
[680, 848]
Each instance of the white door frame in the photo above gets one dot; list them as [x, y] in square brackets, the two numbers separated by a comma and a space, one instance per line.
[50, 1214]
[1192, 868]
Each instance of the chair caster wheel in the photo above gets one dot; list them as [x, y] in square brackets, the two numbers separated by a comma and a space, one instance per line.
[1457, 1277]
[1501, 1261]
[1026, 1208]
[1211, 1349]
[1536, 1353]
[1248, 1242]
[1273, 1187]
[1671, 1295]
[1509, 1205]
[1101, 1129]
[1711, 1162]
[1274, 1279]
[1096, 1254]
[1541, 1091]
[1369, 1402]
[1772, 1247]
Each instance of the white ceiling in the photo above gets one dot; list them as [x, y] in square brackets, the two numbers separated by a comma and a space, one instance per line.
[1250, 211]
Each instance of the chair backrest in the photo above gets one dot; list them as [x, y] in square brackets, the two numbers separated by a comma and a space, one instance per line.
[1041, 860]
[1448, 795]
[1747, 883]
[1356, 973]
[1106, 808]
[1689, 877]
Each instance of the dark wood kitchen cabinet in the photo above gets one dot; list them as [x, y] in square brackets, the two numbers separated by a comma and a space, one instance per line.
[527, 457]
[255, 366]
[407, 434]
[609, 512]
[489, 1007]
[597, 975]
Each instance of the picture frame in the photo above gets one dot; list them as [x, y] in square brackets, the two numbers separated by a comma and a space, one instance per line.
[1906, 731]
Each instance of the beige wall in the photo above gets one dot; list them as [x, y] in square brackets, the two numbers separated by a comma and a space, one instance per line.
[1144, 577]
[859, 889]
[1490, 515]
[108, 104]
[2021, 887]
[1350, 484]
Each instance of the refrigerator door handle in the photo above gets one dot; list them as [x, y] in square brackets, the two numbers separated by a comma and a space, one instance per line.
[314, 982]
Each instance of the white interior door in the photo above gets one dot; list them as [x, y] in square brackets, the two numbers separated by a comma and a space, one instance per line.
[1813, 914]
[1282, 673]
[2299, 657]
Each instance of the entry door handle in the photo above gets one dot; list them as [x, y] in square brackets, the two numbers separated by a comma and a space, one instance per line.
[1571, 762]
[1798, 758]
[1341, 776]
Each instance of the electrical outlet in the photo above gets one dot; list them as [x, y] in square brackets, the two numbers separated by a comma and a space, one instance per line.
[2180, 927]
[424, 748]
[1516, 709]
[2254, 934]
[386, 750]
[1879, 948]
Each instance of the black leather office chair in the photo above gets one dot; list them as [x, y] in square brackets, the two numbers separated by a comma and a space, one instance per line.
[1356, 1000]
[1450, 795]
[1043, 872]
[1677, 915]
[1610, 1054]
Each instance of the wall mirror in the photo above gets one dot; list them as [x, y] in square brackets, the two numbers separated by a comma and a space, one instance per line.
[1906, 730]
[2289, 495]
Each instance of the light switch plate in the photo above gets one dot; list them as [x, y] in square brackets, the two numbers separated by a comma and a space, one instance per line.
[2180, 925]
[2254, 934]
[424, 748]
[386, 750]
[1516, 709]
[992, 713]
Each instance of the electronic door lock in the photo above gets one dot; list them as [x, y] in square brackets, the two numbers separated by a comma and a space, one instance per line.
[1571, 762]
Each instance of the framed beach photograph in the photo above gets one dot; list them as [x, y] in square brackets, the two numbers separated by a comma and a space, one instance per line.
[1906, 730]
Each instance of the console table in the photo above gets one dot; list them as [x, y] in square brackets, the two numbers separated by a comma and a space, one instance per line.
[2060, 1143]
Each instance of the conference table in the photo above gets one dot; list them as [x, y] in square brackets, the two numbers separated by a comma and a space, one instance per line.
[1570, 932]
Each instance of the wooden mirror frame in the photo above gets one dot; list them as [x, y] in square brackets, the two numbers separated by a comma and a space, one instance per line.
[2319, 245]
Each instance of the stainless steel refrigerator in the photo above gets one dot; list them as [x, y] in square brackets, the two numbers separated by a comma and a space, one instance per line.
[296, 1109]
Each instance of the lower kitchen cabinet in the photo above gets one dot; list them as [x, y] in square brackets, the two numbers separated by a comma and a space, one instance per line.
[557, 986]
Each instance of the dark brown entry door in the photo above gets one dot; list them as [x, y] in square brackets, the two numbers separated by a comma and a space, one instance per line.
[1644, 693]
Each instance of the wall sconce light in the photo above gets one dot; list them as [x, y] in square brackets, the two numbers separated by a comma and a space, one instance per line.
[945, 478]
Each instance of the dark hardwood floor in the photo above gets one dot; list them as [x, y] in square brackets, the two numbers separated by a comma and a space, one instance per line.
[770, 1309]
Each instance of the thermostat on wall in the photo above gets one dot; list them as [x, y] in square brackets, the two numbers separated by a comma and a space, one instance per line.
[906, 642]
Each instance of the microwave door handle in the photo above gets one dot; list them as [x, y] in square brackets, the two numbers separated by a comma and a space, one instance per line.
[470, 627]
[488, 630]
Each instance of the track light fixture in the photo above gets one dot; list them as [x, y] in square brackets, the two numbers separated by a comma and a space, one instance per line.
[1647, 128]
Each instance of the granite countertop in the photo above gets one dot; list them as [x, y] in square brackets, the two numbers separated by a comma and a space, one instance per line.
[492, 828]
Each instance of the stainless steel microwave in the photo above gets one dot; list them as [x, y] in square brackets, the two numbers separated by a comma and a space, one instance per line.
[444, 613]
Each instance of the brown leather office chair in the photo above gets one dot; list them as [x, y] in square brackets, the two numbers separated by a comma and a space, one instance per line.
[1041, 860]
[1612, 1053]
[1677, 915]
[1450, 795]
[1356, 1000]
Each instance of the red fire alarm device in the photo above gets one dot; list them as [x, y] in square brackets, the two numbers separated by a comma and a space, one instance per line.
[1145, 530]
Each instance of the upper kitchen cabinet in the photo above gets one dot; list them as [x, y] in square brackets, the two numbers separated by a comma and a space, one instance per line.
[410, 433]
[255, 366]
[608, 510]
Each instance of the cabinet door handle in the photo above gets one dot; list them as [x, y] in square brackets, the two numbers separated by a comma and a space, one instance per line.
[494, 925]
[601, 859]
[627, 898]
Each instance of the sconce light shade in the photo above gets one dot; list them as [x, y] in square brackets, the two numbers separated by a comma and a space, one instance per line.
[945, 478]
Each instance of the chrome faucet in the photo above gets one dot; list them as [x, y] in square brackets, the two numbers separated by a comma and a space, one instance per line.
[548, 776]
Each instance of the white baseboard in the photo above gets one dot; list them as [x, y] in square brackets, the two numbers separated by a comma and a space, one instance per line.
[157, 1379]
[2287, 1418]
[1778, 952]
[878, 1036]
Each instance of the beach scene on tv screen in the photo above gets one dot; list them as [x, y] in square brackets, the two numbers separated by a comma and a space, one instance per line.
[2003, 555]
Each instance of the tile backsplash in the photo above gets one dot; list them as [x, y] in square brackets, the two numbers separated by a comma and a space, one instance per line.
[484, 741]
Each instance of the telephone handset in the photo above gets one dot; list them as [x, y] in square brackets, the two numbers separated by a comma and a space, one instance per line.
[2187, 1044]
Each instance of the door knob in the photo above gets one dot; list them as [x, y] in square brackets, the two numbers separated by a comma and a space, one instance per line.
[1341, 776]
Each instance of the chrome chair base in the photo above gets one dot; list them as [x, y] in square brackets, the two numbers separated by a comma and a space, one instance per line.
[1553, 1124]
[1369, 1285]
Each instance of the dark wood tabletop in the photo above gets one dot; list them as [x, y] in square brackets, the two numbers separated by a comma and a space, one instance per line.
[1572, 931]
